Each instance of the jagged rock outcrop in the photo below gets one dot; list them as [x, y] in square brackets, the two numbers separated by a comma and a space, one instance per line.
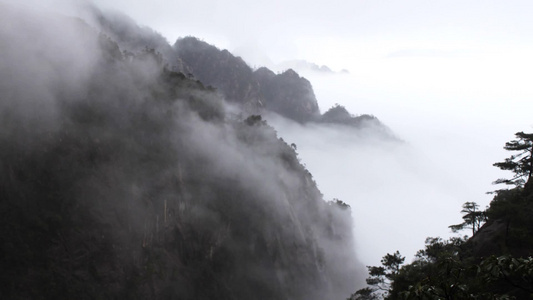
[287, 94]
[291, 96]
[220, 69]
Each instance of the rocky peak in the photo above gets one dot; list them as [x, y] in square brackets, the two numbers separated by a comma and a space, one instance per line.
[337, 113]
[220, 69]
[291, 96]
[287, 94]
[264, 73]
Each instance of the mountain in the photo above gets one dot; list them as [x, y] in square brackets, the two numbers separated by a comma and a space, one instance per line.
[339, 115]
[287, 94]
[254, 91]
[125, 179]
[220, 69]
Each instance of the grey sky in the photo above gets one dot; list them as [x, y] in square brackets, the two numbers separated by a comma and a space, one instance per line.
[285, 28]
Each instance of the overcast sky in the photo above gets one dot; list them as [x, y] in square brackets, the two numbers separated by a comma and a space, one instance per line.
[334, 31]
[452, 78]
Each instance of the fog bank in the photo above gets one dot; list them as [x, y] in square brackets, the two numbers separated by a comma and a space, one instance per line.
[453, 131]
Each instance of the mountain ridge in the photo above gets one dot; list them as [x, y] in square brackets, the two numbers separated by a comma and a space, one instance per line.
[286, 94]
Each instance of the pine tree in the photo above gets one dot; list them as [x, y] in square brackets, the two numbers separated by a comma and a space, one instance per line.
[520, 164]
[472, 216]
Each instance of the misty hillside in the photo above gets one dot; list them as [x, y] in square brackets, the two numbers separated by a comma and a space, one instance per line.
[286, 93]
[124, 179]
[493, 262]
[255, 91]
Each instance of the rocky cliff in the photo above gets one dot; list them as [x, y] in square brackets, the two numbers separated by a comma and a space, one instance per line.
[122, 179]
[287, 93]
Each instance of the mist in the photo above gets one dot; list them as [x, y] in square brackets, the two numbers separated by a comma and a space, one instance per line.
[452, 103]
[123, 179]
[453, 114]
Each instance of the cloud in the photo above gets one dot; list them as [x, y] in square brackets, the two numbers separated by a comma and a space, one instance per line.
[431, 53]
[403, 193]
[280, 25]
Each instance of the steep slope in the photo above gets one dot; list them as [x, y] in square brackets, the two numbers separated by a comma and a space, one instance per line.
[124, 180]
[290, 95]
[133, 38]
[222, 70]
[287, 94]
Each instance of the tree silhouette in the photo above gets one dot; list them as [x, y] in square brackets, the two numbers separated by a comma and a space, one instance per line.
[380, 278]
[520, 164]
[473, 218]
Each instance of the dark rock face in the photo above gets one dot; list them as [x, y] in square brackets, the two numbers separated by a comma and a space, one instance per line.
[489, 239]
[220, 69]
[510, 225]
[124, 180]
[289, 95]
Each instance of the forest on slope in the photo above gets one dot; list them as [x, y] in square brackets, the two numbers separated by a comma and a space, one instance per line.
[494, 263]
[123, 177]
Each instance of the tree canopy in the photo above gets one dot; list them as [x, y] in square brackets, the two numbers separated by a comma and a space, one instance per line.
[472, 216]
